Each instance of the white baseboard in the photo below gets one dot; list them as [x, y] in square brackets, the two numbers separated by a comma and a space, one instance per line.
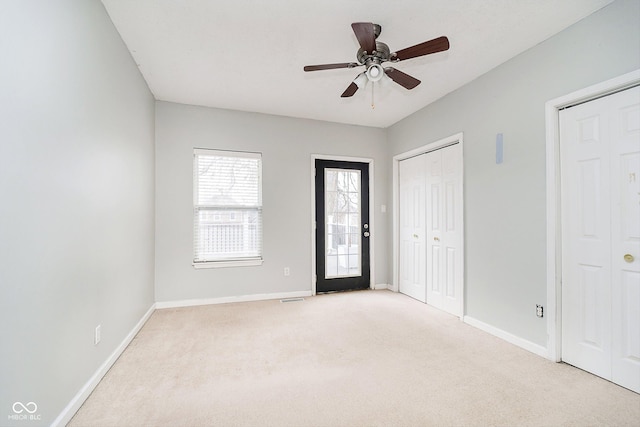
[381, 286]
[70, 410]
[225, 300]
[513, 339]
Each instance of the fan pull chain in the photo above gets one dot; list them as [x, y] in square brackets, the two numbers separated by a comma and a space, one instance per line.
[373, 104]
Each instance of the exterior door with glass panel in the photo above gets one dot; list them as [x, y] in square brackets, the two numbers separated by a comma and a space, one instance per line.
[342, 226]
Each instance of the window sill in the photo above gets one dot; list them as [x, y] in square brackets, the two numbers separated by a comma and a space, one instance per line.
[224, 264]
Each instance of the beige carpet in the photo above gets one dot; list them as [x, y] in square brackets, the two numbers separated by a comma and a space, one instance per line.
[370, 358]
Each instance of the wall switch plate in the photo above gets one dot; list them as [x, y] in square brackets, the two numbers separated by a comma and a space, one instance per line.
[539, 310]
[287, 271]
[96, 336]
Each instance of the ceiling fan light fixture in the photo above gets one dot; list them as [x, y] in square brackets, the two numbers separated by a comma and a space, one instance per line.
[375, 72]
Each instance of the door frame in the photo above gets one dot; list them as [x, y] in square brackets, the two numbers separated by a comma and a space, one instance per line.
[553, 198]
[442, 143]
[372, 215]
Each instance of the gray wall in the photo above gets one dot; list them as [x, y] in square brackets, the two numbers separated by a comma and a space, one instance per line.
[76, 199]
[505, 204]
[286, 145]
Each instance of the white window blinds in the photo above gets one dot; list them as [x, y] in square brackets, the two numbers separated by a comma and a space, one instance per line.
[227, 209]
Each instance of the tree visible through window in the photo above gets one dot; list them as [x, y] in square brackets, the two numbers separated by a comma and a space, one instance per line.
[227, 211]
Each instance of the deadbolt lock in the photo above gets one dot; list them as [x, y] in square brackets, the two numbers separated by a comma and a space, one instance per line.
[628, 257]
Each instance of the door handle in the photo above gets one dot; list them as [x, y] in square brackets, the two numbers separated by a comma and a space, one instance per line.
[628, 257]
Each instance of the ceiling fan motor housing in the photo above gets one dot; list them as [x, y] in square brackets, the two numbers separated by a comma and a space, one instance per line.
[380, 55]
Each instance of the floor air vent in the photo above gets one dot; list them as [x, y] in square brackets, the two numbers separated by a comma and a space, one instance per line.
[292, 299]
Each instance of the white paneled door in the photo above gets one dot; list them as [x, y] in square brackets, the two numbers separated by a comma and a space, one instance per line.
[600, 190]
[412, 228]
[444, 229]
[431, 236]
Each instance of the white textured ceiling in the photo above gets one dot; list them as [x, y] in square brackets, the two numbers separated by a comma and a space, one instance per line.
[248, 55]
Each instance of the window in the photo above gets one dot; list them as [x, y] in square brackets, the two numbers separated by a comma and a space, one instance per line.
[227, 208]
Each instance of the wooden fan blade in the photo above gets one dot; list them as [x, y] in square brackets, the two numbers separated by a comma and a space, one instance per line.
[366, 35]
[432, 46]
[330, 66]
[350, 90]
[403, 79]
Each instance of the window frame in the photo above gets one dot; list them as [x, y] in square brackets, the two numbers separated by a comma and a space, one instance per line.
[231, 261]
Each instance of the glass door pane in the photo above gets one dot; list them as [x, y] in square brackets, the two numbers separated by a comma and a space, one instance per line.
[342, 223]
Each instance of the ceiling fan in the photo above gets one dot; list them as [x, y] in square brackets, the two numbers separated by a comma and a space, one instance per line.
[373, 53]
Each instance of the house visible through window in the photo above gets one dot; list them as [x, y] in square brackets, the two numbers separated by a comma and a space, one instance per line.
[227, 209]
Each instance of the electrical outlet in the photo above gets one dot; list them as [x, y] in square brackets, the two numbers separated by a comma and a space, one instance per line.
[287, 271]
[539, 310]
[96, 335]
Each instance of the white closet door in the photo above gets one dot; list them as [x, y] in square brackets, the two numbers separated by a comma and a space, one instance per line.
[412, 227]
[431, 258]
[625, 230]
[444, 229]
[600, 167]
[436, 248]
